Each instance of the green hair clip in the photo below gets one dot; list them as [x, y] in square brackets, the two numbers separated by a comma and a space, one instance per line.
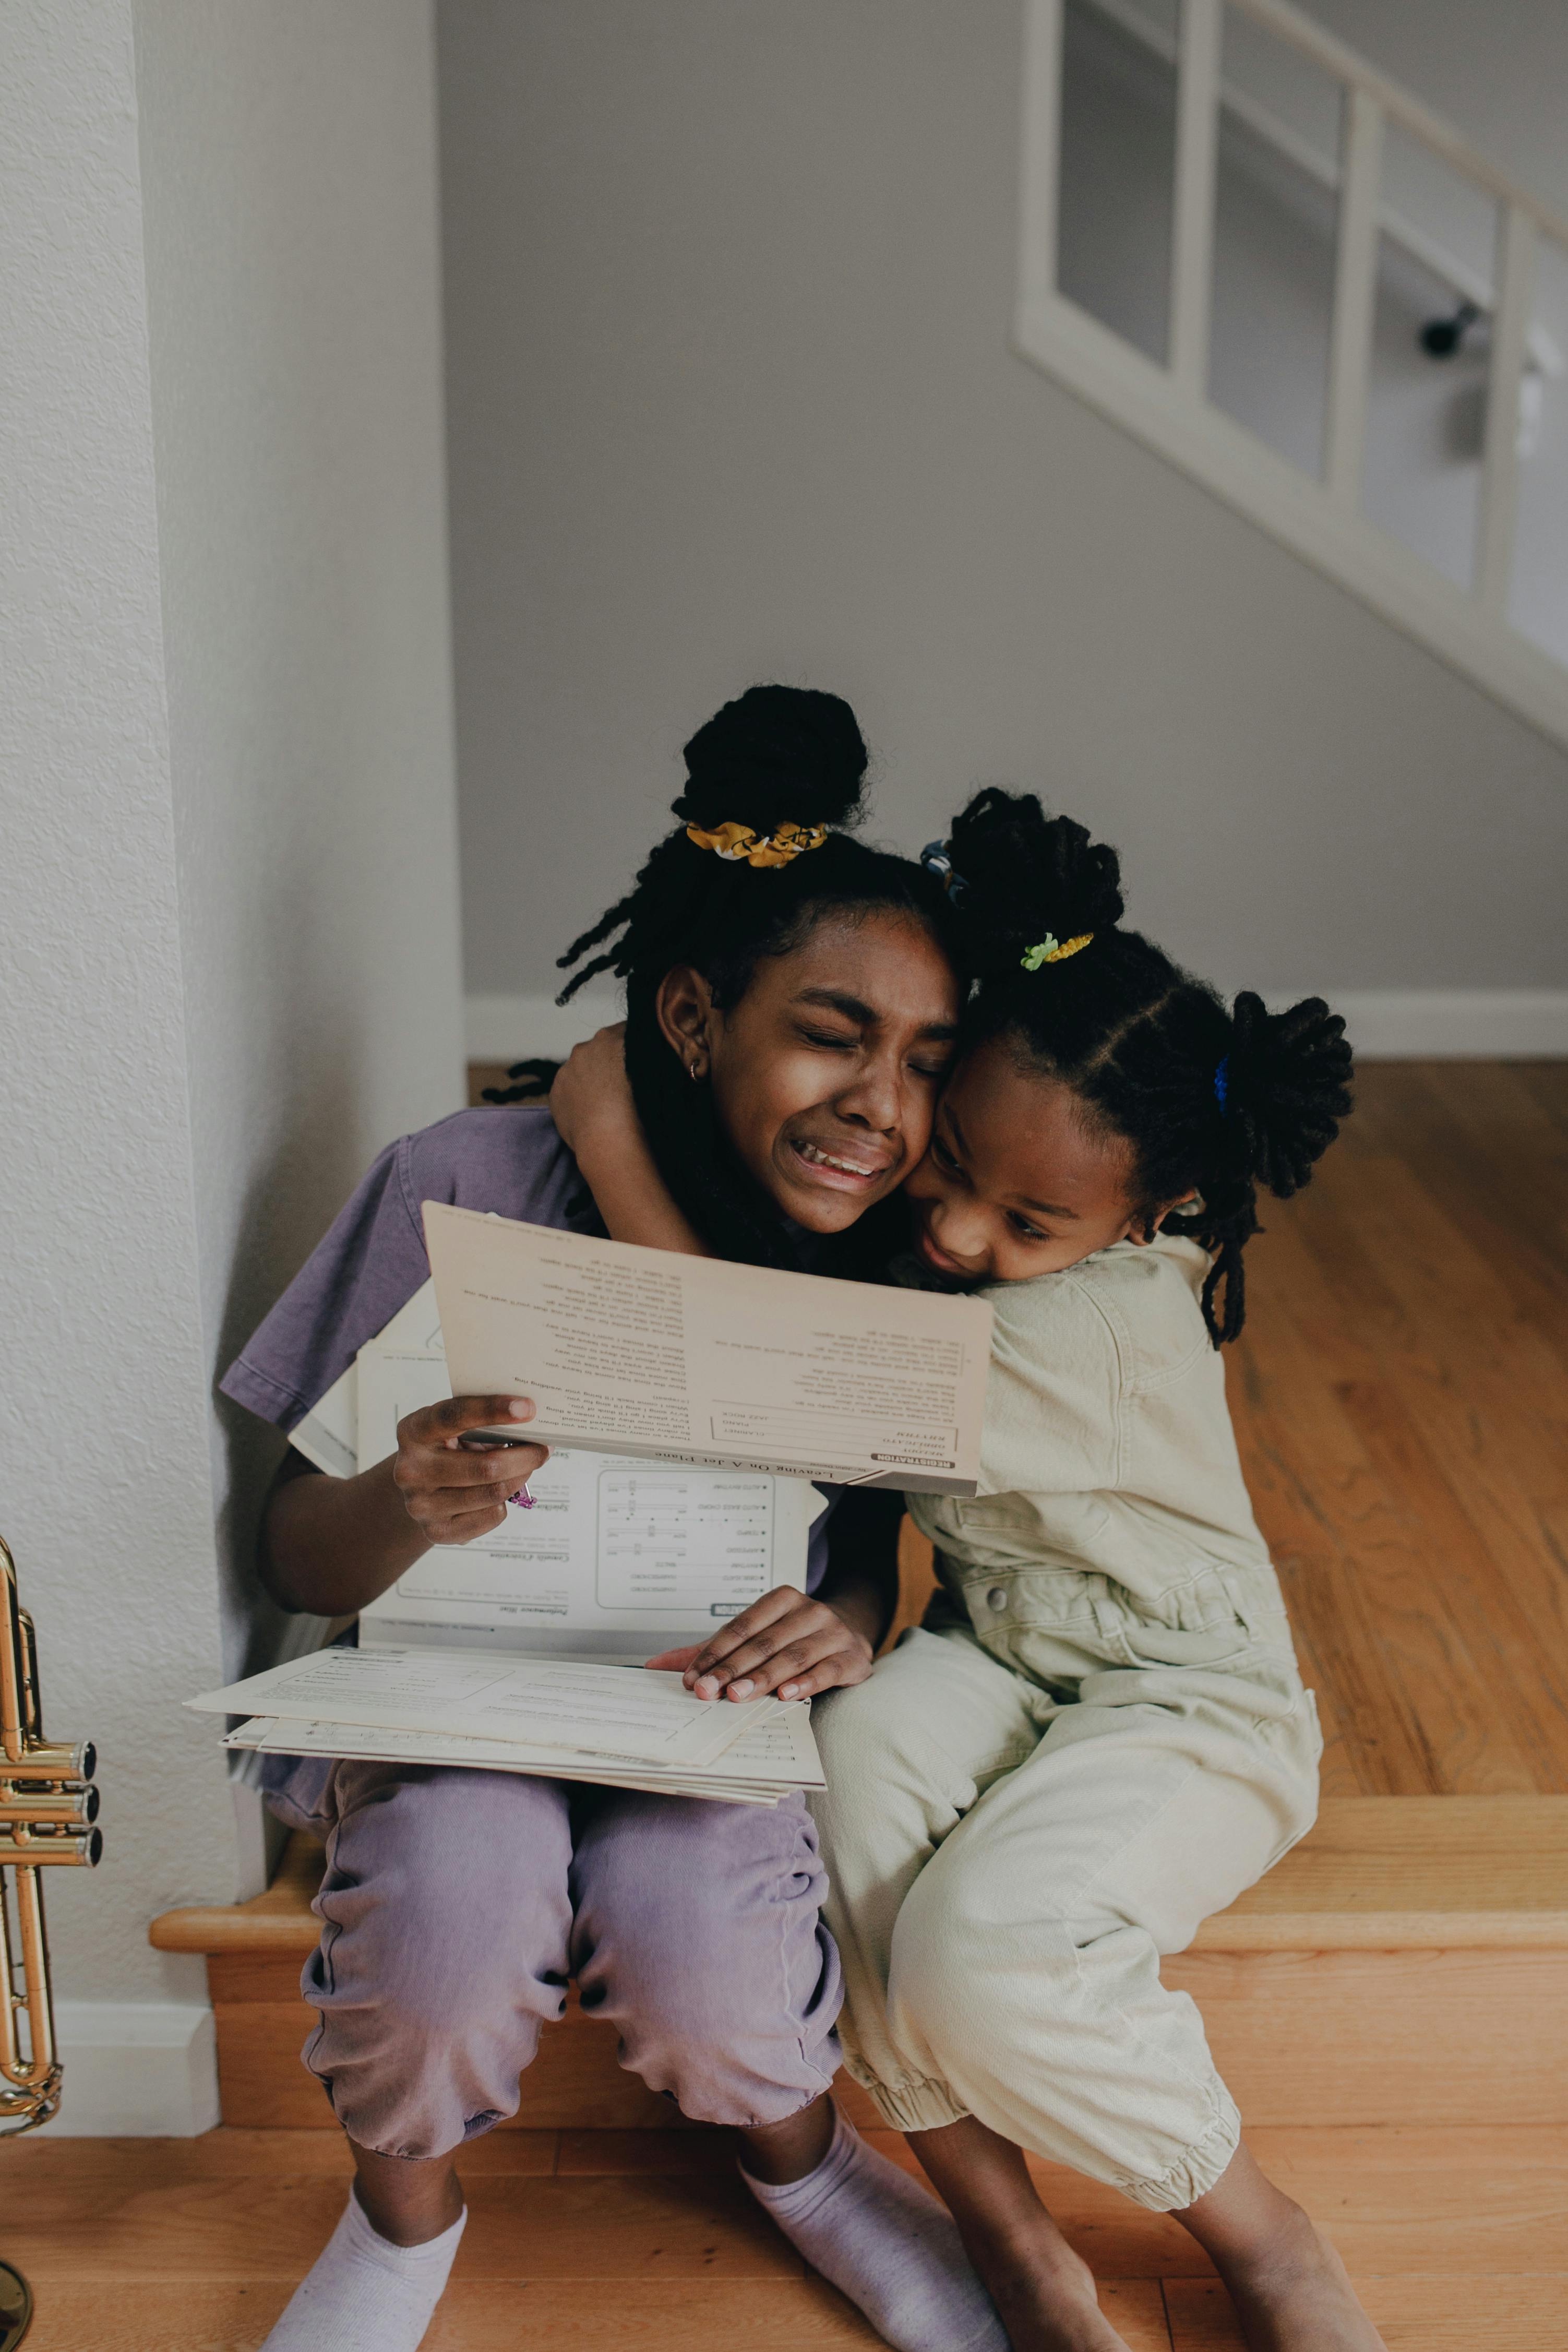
[1052, 950]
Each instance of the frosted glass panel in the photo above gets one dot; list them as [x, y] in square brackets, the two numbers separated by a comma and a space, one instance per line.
[1118, 166]
[1538, 599]
[1276, 218]
[1427, 414]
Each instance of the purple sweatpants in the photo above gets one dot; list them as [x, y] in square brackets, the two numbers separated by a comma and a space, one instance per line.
[456, 1904]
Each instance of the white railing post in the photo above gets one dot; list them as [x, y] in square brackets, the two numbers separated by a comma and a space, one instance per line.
[1041, 167]
[1197, 148]
[1500, 458]
[1354, 295]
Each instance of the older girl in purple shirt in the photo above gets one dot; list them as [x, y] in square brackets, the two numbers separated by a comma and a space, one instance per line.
[791, 1012]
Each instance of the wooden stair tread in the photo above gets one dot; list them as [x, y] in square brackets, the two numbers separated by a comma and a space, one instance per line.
[1408, 1873]
[1459, 2241]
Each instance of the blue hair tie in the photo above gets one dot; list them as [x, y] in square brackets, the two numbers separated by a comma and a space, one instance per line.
[1222, 1081]
[936, 860]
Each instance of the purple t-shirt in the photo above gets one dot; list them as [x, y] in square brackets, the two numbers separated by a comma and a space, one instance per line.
[506, 1157]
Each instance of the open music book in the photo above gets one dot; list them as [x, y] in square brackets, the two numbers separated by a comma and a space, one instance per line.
[618, 1559]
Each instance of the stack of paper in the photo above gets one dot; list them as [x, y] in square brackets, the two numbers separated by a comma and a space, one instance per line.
[613, 1725]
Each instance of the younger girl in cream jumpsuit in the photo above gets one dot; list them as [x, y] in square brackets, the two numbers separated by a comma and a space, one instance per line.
[1099, 1735]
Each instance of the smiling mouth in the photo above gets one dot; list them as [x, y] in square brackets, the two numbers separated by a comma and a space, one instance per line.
[828, 1165]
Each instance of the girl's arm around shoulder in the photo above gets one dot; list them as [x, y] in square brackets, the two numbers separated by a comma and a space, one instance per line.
[592, 1104]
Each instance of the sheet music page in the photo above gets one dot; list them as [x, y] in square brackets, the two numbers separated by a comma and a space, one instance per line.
[329, 1434]
[689, 1360]
[610, 1711]
[615, 1555]
[778, 1753]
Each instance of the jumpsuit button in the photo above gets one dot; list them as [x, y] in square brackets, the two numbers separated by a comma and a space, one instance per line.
[997, 1598]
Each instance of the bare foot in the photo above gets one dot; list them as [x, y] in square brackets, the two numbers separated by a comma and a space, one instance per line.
[1043, 2292]
[1046, 2299]
[1290, 2290]
[1297, 2297]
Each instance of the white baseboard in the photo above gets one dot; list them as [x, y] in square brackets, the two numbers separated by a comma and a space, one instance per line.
[512, 1028]
[1478, 1024]
[136, 2069]
[1386, 1025]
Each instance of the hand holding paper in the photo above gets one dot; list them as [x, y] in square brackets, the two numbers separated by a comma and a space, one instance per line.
[454, 1491]
[642, 1352]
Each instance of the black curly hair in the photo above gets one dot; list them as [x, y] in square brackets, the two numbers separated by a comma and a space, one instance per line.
[777, 754]
[1212, 1101]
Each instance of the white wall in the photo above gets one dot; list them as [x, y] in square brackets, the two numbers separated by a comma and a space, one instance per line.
[103, 1419]
[729, 285]
[223, 743]
[288, 172]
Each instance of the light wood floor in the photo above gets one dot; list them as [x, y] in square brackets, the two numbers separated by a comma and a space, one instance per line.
[591, 2242]
[1401, 1400]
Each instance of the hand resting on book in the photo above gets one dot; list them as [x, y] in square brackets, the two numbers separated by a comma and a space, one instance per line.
[785, 1642]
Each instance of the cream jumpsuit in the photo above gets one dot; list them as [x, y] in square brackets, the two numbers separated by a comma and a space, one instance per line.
[1099, 1737]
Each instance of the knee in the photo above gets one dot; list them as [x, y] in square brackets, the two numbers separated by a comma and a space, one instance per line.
[701, 1939]
[442, 1893]
[695, 1934]
[965, 1982]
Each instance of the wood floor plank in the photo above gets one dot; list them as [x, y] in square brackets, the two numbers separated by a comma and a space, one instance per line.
[1426, 1699]
[1116, 2238]
[228, 2152]
[1461, 1401]
[1371, 2037]
[1429, 2314]
[690, 2315]
[1484, 2203]
[272, 2225]
[1447, 2229]
[702, 2150]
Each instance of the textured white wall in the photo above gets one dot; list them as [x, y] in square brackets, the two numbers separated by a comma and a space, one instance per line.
[289, 182]
[105, 1490]
[729, 287]
[227, 900]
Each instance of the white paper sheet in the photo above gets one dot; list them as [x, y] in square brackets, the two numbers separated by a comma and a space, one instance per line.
[613, 1712]
[615, 1555]
[765, 1763]
[688, 1359]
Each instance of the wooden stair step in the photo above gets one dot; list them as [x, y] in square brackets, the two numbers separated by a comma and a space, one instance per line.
[1458, 2240]
[1410, 1873]
[1375, 1976]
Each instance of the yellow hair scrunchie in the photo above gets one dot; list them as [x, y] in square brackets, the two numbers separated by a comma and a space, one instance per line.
[733, 841]
[1052, 950]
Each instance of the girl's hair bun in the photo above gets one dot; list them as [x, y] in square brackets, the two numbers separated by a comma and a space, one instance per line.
[777, 754]
[1020, 875]
[1286, 1087]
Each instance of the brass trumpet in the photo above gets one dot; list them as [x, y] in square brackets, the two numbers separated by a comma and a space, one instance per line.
[49, 1812]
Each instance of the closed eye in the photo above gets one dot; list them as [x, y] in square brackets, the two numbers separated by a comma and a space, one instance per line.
[944, 1158]
[841, 1044]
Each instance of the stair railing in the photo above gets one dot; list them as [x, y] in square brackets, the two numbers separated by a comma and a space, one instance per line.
[1169, 407]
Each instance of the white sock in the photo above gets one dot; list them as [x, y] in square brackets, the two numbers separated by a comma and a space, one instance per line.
[884, 2241]
[365, 2295]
